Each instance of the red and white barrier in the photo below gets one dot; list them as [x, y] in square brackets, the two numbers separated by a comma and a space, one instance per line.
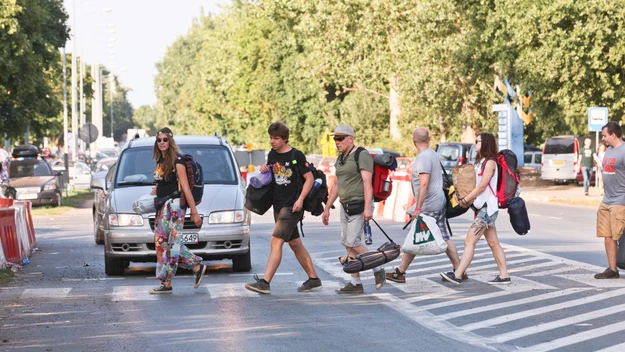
[17, 232]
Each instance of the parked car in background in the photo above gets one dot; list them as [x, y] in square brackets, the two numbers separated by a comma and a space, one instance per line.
[402, 170]
[105, 164]
[34, 180]
[533, 160]
[559, 158]
[79, 173]
[129, 237]
[453, 154]
[313, 158]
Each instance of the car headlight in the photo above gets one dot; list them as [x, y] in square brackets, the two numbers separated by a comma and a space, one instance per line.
[226, 217]
[49, 187]
[125, 220]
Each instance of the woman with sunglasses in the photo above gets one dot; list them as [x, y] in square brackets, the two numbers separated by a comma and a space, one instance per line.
[484, 202]
[171, 253]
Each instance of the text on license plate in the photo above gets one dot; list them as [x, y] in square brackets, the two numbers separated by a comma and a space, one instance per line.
[190, 238]
[558, 162]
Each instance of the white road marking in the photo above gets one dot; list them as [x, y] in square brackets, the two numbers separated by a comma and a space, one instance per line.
[577, 338]
[517, 302]
[573, 320]
[589, 279]
[615, 348]
[552, 272]
[252, 274]
[134, 293]
[555, 217]
[537, 311]
[45, 292]
[230, 290]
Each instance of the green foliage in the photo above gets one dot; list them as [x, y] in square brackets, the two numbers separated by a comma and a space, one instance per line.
[386, 67]
[31, 31]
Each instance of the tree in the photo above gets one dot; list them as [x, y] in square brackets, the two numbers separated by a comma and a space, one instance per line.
[31, 31]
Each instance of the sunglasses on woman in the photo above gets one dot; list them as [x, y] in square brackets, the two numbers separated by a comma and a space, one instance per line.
[158, 140]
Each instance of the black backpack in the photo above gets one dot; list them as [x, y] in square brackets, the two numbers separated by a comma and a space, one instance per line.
[259, 200]
[318, 196]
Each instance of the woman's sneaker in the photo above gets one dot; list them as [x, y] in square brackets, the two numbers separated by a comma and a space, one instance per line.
[464, 277]
[451, 277]
[198, 275]
[500, 281]
[260, 286]
[310, 285]
[396, 276]
[161, 289]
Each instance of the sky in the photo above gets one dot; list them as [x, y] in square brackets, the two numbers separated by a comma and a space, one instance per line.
[144, 29]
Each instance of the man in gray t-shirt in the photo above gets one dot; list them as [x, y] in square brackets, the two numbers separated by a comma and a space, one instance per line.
[610, 223]
[427, 188]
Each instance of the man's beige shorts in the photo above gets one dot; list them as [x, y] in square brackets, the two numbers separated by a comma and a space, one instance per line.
[610, 221]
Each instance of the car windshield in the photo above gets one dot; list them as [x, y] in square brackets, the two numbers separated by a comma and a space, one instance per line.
[137, 167]
[448, 152]
[559, 146]
[27, 168]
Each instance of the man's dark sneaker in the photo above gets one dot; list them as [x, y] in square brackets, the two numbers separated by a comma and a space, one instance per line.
[260, 286]
[161, 289]
[396, 276]
[380, 278]
[310, 285]
[198, 275]
[350, 288]
[465, 276]
[608, 274]
[451, 278]
[500, 281]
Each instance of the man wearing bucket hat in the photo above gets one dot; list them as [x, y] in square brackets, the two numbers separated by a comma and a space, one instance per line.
[355, 192]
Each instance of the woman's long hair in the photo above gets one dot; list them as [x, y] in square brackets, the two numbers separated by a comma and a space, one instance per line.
[165, 161]
[488, 149]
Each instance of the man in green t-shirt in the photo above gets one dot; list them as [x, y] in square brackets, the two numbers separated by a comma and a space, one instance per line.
[585, 163]
[355, 191]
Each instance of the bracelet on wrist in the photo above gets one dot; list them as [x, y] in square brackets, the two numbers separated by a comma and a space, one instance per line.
[417, 209]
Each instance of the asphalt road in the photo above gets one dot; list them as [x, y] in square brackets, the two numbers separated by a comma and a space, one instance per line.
[63, 301]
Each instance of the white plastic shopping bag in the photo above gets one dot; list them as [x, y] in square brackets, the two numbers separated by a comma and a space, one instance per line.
[424, 237]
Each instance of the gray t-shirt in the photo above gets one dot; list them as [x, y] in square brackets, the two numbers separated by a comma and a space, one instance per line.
[428, 162]
[614, 176]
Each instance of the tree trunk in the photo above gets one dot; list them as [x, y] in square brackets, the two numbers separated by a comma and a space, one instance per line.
[441, 128]
[395, 107]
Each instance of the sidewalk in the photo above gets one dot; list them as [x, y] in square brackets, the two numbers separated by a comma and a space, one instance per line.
[565, 194]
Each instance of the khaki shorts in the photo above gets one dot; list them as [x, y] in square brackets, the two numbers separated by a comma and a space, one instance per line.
[352, 228]
[610, 221]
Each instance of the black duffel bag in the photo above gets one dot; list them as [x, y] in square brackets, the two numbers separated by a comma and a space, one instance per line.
[259, 200]
[519, 219]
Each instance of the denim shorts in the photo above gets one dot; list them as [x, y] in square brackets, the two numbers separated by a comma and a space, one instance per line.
[482, 215]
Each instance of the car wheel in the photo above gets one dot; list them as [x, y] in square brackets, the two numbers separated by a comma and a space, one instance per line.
[59, 200]
[242, 263]
[113, 266]
[98, 235]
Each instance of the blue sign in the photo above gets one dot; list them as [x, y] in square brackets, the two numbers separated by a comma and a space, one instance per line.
[597, 118]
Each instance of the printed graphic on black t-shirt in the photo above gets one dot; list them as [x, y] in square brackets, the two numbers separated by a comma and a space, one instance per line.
[167, 186]
[287, 168]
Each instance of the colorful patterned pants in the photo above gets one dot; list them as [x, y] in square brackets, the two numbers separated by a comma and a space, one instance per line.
[170, 251]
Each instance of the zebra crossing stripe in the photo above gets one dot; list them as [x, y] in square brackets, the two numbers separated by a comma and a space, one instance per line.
[560, 323]
[45, 292]
[538, 311]
[616, 348]
[517, 302]
[577, 338]
[486, 260]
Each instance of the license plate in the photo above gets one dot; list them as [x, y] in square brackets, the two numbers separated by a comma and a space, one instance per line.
[27, 196]
[190, 238]
[558, 162]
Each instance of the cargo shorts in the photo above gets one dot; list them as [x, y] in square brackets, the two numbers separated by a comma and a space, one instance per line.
[610, 221]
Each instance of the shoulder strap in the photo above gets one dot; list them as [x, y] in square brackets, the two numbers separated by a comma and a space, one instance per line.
[357, 156]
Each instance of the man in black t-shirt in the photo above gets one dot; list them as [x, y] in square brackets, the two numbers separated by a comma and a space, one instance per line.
[292, 181]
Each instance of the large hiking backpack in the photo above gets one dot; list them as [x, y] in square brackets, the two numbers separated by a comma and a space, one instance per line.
[508, 178]
[318, 196]
[383, 164]
[195, 177]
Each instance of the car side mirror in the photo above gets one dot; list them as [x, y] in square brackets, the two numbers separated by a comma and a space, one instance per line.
[58, 173]
[98, 183]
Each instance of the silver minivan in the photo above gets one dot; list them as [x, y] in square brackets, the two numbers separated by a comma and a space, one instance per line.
[559, 159]
[129, 237]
